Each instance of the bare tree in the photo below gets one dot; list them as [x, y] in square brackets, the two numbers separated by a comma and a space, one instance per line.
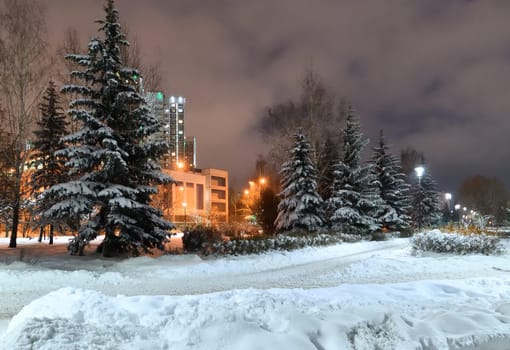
[486, 195]
[131, 57]
[22, 73]
[315, 113]
[71, 44]
[409, 159]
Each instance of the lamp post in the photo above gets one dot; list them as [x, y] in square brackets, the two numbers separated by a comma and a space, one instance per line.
[448, 213]
[419, 170]
[448, 197]
[457, 210]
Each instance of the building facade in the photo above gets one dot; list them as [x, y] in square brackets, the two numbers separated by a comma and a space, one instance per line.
[170, 111]
[197, 197]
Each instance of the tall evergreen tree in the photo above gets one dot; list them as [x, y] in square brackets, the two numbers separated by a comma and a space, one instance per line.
[353, 200]
[392, 188]
[426, 206]
[301, 205]
[326, 163]
[49, 168]
[112, 159]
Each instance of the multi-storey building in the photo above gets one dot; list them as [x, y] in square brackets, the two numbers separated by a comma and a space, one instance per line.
[171, 113]
[196, 197]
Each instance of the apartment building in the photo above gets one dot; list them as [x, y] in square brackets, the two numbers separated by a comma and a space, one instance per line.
[197, 197]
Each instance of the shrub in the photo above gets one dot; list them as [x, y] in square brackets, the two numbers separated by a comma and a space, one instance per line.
[198, 238]
[439, 242]
[238, 229]
[260, 244]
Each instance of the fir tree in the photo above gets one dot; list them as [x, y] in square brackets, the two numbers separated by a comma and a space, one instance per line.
[325, 164]
[49, 168]
[353, 200]
[391, 187]
[301, 205]
[426, 206]
[112, 159]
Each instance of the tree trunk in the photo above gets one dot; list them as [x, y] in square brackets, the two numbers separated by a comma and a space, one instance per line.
[41, 231]
[51, 234]
[15, 221]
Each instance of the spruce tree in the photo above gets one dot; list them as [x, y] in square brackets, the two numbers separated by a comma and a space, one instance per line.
[300, 206]
[353, 200]
[325, 164]
[114, 163]
[49, 168]
[426, 206]
[391, 187]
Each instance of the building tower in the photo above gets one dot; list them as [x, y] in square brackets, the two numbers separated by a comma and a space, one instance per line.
[171, 113]
[182, 149]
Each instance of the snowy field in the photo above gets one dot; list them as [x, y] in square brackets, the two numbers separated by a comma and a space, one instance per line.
[367, 295]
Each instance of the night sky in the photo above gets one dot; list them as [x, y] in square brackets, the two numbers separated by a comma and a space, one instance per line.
[435, 75]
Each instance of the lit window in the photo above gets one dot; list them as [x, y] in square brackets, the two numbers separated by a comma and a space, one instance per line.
[180, 121]
[180, 132]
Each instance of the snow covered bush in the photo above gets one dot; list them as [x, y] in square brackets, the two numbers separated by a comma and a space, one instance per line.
[238, 229]
[440, 242]
[262, 244]
[199, 238]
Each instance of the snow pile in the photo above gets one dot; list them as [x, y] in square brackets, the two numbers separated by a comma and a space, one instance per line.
[425, 314]
[439, 242]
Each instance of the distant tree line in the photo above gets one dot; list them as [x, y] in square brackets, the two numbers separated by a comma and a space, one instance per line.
[365, 197]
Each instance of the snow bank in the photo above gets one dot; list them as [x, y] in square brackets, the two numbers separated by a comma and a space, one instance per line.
[417, 315]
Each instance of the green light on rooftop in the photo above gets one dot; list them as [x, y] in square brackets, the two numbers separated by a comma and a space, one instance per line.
[160, 96]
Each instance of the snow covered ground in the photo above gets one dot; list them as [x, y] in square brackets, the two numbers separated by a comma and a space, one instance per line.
[367, 295]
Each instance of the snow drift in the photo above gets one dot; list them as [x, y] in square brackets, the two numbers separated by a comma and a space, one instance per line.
[416, 315]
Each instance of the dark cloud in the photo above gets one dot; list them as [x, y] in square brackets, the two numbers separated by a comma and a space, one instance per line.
[434, 74]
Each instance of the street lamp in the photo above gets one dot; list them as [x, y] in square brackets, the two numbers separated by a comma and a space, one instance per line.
[419, 172]
[457, 211]
[448, 197]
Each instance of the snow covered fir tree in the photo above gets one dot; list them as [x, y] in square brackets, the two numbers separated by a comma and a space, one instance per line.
[301, 207]
[426, 206]
[392, 188]
[113, 163]
[354, 202]
[49, 168]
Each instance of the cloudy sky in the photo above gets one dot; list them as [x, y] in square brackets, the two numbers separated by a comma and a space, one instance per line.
[435, 74]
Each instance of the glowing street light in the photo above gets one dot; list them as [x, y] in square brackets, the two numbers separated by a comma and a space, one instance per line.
[448, 197]
[419, 172]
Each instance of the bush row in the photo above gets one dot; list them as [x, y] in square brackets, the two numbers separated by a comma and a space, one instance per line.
[206, 240]
[440, 242]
